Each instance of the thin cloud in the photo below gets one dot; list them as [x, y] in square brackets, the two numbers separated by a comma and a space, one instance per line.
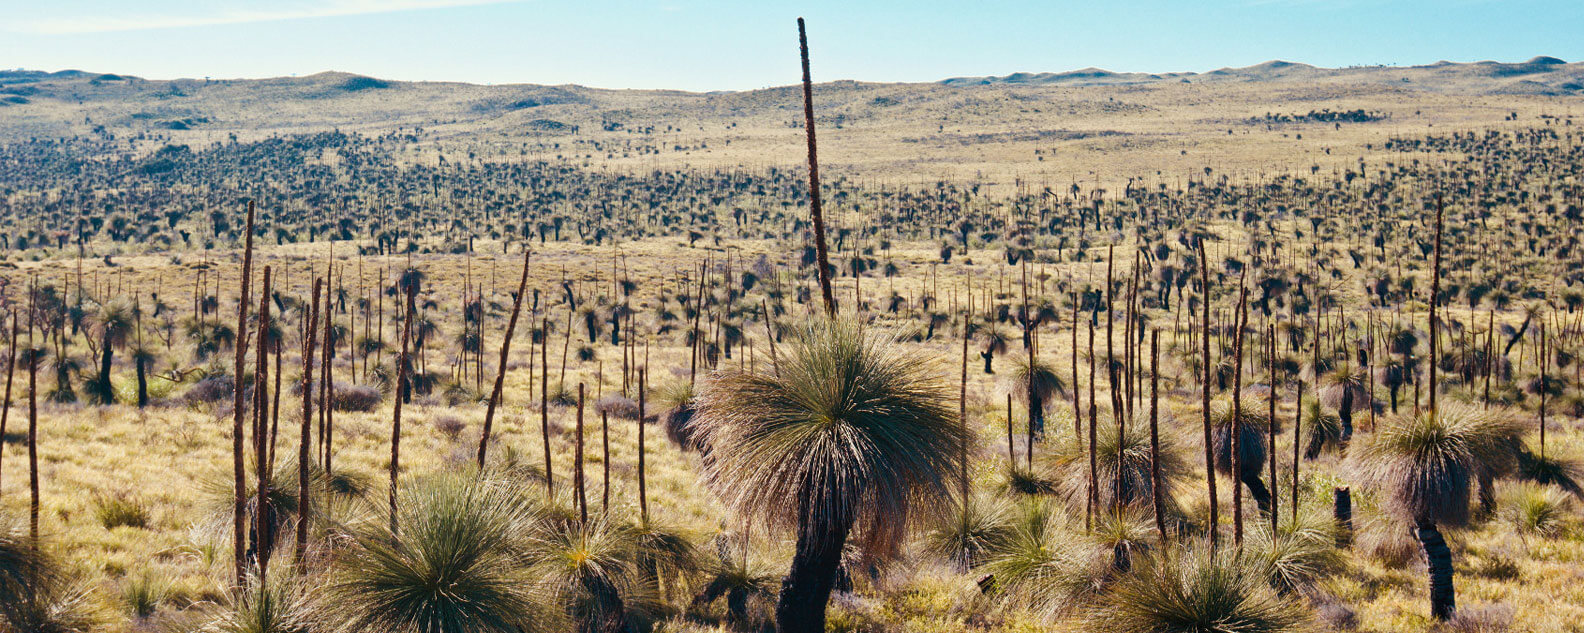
[318, 9]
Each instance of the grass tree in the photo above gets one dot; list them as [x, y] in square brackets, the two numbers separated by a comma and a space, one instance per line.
[1242, 456]
[456, 565]
[35, 593]
[1322, 430]
[742, 583]
[21, 562]
[980, 526]
[995, 342]
[1131, 462]
[1298, 556]
[1196, 589]
[853, 437]
[1040, 378]
[113, 325]
[1424, 465]
[589, 567]
[1043, 565]
[1346, 391]
[278, 605]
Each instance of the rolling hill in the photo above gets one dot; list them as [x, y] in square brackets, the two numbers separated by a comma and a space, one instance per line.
[1083, 124]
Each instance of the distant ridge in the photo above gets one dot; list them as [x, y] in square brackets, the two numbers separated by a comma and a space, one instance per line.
[64, 103]
[1539, 75]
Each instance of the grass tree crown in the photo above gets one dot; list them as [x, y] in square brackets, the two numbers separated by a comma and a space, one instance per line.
[851, 431]
[1426, 462]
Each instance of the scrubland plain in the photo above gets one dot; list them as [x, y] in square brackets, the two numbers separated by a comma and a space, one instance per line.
[971, 222]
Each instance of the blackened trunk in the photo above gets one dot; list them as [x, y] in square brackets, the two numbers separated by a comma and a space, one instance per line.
[1315, 444]
[1443, 598]
[604, 612]
[142, 381]
[1345, 413]
[264, 525]
[1487, 493]
[1037, 423]
[737, 607]
[106, 392]
[1342, 513]
[1257, 489]
[807, 587]
[988, 357]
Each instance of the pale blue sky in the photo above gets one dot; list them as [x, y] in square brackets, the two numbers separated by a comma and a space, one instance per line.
[715, 45]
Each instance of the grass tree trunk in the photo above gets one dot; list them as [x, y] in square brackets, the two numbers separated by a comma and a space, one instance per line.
[807, 587]
[604, 612]
[1342, 515]
[106, 393]
[1256, 488]
[1443, 597]
[1011, 448]
[1345, 413]
[1487, 492]
[140, 362]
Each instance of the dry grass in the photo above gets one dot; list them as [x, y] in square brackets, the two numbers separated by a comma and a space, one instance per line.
[167, 460]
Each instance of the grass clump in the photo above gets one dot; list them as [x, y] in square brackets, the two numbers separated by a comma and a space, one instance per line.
[1534, 510]
[121, 510]
[143, 594]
